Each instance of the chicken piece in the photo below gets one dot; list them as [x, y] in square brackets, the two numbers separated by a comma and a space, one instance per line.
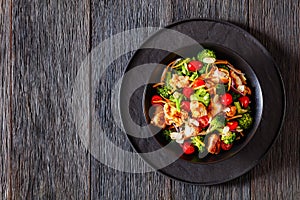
[236, 79]
[240, 83]
[198, 109]
[159, 117]
[231, 111]
[214, 144]
[224, 75]
[190, 129]
[241, 89]
[177, 136]
[244, 90]
[211, 76]
[243, 78]
[179, 81]
[209, 84]
[220, 75]
[172, 115]
[215, 106]
[248, 90]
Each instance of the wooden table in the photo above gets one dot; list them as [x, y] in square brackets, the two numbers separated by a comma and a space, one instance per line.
[42, 46]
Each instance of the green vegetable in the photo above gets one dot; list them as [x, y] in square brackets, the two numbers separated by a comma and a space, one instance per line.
[217, 123]
[185, 70]
[194, 76]
[164, 92]
[221, 88]
[239, 108]
[178, 102]
[176, 99]
[235, 96]
[203, 69]
[167, 134]
[228, 138]
[198, 142]
[224, 67]
[245, 121]
[171, 98]
[201, 95]
[181, 67]
[201, 92]
[168, 78]
[181, 62]
[206, 56]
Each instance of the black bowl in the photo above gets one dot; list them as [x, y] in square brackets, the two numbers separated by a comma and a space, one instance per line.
[222, 53]
[243, 51]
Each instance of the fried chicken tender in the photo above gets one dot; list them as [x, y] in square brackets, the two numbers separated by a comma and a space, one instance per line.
[159, 117]
[173, 116]
[179, 81]
[198, 109]
[214, 144]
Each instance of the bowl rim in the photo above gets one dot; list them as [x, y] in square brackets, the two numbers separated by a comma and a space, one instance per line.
[280, 81]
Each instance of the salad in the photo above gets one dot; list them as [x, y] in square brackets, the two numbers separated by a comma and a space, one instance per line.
[202, 103]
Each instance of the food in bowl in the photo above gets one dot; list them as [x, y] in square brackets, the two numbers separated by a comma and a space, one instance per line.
[202, 103]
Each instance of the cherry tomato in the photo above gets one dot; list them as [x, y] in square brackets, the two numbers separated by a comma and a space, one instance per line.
[188, 148]
[203, 121]
[185, 105]
[244, 100]
[194, 65]
[187, 91]
[226, 147]
[198, 82]
[232, 125]
[156, 98]
[226, 99]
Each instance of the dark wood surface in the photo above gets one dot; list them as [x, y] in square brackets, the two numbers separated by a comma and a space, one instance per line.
[42, 46]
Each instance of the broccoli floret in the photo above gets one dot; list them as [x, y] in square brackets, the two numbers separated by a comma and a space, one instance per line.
[207, 56]
[245, 121]
[239, 108]
[201, 92]
[163, 91]
[167, 134]
[217, 123]
[201, 95]
[228, 138]
[198, 142]
[235, 96]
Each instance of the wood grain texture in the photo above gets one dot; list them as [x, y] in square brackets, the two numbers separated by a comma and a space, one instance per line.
[5, 74]
[109, 18]
[50, 40]
[276, 25]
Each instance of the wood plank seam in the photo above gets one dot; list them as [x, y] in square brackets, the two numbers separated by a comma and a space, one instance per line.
[90, 103]
[10, 103]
